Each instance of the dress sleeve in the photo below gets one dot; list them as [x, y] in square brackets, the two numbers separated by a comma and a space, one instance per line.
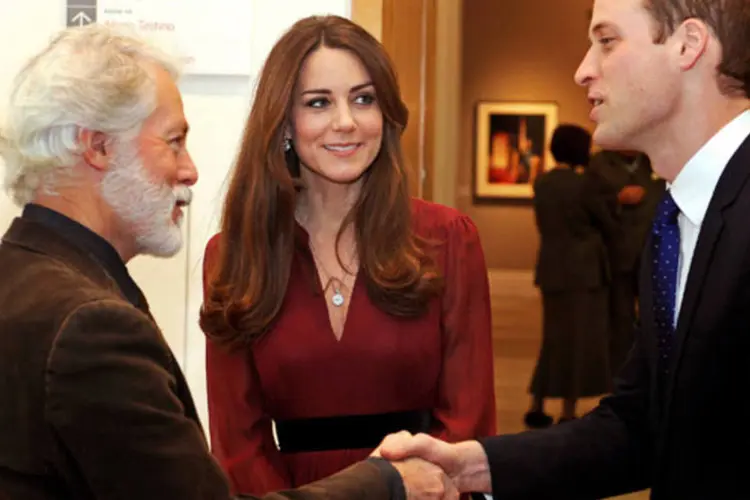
[241, 432]
[466, 404]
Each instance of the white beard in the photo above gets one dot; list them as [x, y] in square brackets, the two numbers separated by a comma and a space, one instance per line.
[146, 207]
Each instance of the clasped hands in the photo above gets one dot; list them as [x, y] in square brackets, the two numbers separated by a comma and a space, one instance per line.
[434, 469]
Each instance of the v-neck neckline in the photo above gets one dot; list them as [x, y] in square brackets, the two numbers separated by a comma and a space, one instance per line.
[302, 239]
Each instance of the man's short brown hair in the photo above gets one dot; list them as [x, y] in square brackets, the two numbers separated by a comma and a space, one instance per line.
[730, 22]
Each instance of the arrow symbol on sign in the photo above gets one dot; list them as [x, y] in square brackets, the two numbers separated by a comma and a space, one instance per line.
[81, 18]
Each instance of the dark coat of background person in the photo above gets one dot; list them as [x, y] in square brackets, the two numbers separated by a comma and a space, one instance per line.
[572, 273]
[614, 171]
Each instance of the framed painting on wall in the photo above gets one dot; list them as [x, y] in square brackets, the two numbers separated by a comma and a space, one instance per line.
[512, 147]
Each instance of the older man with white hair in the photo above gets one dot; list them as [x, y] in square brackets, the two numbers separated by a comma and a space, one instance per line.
[92, 402]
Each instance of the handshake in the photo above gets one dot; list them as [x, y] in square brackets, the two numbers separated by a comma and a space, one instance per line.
[434, 469]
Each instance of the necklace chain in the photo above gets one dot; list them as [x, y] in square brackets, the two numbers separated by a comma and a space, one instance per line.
[338, 298]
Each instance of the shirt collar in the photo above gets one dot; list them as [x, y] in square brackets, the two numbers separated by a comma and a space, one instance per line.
[695, 184]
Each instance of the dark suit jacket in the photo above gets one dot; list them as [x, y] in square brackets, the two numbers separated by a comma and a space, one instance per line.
[689, 440]
[92, 402]
[572, 220]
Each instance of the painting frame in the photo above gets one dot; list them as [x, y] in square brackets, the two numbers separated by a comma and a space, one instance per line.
[511, 147]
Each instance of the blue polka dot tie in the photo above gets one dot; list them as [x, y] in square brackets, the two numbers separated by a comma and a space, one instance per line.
[666, 256]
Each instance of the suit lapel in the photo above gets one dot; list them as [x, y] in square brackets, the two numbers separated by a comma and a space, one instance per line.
[701, 264]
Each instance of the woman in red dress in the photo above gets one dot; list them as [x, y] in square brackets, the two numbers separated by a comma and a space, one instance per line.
[337, 309]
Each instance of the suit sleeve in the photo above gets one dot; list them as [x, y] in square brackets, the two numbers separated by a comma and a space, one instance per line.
[241, 431]
[373, 479]
[466, 404]
[111, 401]
[608, 452]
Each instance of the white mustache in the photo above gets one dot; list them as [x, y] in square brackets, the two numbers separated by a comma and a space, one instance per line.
[182, 194]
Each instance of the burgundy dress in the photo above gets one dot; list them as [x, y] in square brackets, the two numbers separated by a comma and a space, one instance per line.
[440, 362]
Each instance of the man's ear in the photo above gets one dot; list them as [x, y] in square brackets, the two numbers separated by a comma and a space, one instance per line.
[692, 37]
[97, 148]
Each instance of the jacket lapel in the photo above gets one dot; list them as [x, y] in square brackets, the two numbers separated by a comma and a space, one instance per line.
[702, 257]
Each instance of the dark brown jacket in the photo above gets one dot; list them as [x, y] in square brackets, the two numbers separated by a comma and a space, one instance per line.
[92, 403]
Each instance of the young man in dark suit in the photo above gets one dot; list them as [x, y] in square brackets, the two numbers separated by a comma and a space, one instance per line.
[668, 78]
[92, 403]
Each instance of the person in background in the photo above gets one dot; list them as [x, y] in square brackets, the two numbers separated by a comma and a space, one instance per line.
[93, 404]
[572, 273]
[337, 308]
[633, 191]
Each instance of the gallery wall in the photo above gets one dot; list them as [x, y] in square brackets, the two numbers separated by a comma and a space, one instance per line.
[516, 51]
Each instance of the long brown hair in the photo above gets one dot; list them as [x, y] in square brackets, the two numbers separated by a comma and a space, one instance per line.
[247, 281]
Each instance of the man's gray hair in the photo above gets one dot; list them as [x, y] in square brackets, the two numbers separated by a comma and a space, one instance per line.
[93, 77]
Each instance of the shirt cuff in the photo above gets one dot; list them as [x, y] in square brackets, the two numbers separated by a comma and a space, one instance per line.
[391, 476]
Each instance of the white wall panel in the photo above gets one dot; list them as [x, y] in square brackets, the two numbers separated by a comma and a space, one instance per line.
[216, 107]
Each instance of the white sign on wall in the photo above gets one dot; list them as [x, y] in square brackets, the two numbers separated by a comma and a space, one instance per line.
[212, 37]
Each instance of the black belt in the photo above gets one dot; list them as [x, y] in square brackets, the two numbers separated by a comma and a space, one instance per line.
[347, 432]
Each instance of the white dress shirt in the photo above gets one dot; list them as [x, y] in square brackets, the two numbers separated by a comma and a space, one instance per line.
[694, 187]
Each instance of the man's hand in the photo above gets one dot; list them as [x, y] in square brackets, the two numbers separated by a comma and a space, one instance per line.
[424, 480]
[465, 463]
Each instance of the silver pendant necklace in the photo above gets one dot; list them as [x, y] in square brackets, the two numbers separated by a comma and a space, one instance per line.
[337, 299]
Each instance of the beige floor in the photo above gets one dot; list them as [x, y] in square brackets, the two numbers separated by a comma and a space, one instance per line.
[516, 313]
